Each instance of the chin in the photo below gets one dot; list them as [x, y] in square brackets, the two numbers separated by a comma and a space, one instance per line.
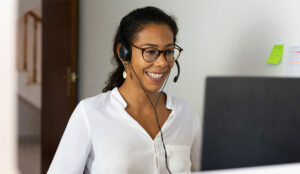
[153, 89]
[154, 84]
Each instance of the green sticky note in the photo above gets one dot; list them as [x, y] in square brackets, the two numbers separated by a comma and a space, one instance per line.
[276, 55]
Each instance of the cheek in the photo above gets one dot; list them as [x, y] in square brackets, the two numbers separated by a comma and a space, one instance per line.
[171, 66]
[138, 63]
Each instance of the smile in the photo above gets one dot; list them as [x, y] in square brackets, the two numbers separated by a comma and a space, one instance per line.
[155, 75]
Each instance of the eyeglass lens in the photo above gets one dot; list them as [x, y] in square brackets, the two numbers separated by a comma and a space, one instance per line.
[151, 54]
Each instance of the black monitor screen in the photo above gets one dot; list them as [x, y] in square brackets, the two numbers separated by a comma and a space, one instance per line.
[250, 122]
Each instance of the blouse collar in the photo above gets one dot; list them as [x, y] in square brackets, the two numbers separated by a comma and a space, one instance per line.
[115, 92]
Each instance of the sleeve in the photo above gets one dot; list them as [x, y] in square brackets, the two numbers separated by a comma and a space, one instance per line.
[74, 147]
[196, 146]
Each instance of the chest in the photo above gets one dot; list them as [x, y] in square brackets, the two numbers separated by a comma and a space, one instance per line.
[121, 146]
[148, 121]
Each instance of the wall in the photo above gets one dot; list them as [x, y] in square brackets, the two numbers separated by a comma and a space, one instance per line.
[219, 37]
[29, 95]
[29, 120]
[30, 92]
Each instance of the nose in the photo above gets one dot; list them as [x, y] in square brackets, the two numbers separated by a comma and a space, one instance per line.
[161, 60]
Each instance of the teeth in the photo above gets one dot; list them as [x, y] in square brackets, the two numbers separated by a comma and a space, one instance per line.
[156, 76]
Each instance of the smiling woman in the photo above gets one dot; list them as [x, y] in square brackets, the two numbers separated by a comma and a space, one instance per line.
[133, 126]
[151, 67]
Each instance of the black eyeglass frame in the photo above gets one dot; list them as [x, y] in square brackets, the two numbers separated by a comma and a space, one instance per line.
[159, 52]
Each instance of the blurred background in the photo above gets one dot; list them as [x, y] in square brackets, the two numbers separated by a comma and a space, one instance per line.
[29, 72]
[64, 51]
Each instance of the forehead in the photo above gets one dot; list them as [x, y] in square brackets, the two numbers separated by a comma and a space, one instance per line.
[158, 34]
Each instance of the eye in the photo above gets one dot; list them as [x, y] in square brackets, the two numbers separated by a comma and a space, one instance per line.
[150, 51]
[170, 51]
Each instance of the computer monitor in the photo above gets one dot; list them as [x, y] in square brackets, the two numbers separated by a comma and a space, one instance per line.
[250, 121]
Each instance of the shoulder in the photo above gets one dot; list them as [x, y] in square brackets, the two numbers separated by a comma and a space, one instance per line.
[91, 105]
[95, 101]
[182, 105]
[185, 111]
[186, 115]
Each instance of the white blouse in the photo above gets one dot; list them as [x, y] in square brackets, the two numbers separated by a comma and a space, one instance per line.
[102, 138]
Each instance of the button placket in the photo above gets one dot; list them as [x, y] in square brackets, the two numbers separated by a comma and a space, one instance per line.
[156, 157]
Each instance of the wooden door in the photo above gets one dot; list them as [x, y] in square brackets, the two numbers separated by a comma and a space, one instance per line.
[59, 49]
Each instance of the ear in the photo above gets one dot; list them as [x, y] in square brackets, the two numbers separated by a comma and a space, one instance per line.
[118, 52]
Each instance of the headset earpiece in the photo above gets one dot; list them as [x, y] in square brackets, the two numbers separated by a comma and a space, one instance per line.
[125, 51]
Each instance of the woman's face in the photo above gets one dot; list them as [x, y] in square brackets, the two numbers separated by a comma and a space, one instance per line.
[152, 75]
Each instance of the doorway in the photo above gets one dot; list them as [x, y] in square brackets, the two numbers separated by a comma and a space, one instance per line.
[47, 50]
[59, 87]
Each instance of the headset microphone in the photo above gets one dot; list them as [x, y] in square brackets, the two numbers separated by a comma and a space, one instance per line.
[178, 72]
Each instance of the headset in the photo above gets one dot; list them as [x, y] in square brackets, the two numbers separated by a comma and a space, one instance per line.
[125, 53]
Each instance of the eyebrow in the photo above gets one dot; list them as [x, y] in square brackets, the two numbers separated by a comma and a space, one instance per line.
[154, 45]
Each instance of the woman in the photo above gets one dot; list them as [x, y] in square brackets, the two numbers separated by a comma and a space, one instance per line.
[133, 127]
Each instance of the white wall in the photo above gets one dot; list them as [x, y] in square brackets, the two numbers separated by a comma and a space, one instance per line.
[29, 120]
[219, 37]
[8, 136]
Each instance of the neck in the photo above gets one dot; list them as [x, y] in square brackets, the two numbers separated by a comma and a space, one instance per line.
[135, 95]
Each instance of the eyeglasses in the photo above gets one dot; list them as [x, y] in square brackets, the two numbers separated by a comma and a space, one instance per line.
[151, 54]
